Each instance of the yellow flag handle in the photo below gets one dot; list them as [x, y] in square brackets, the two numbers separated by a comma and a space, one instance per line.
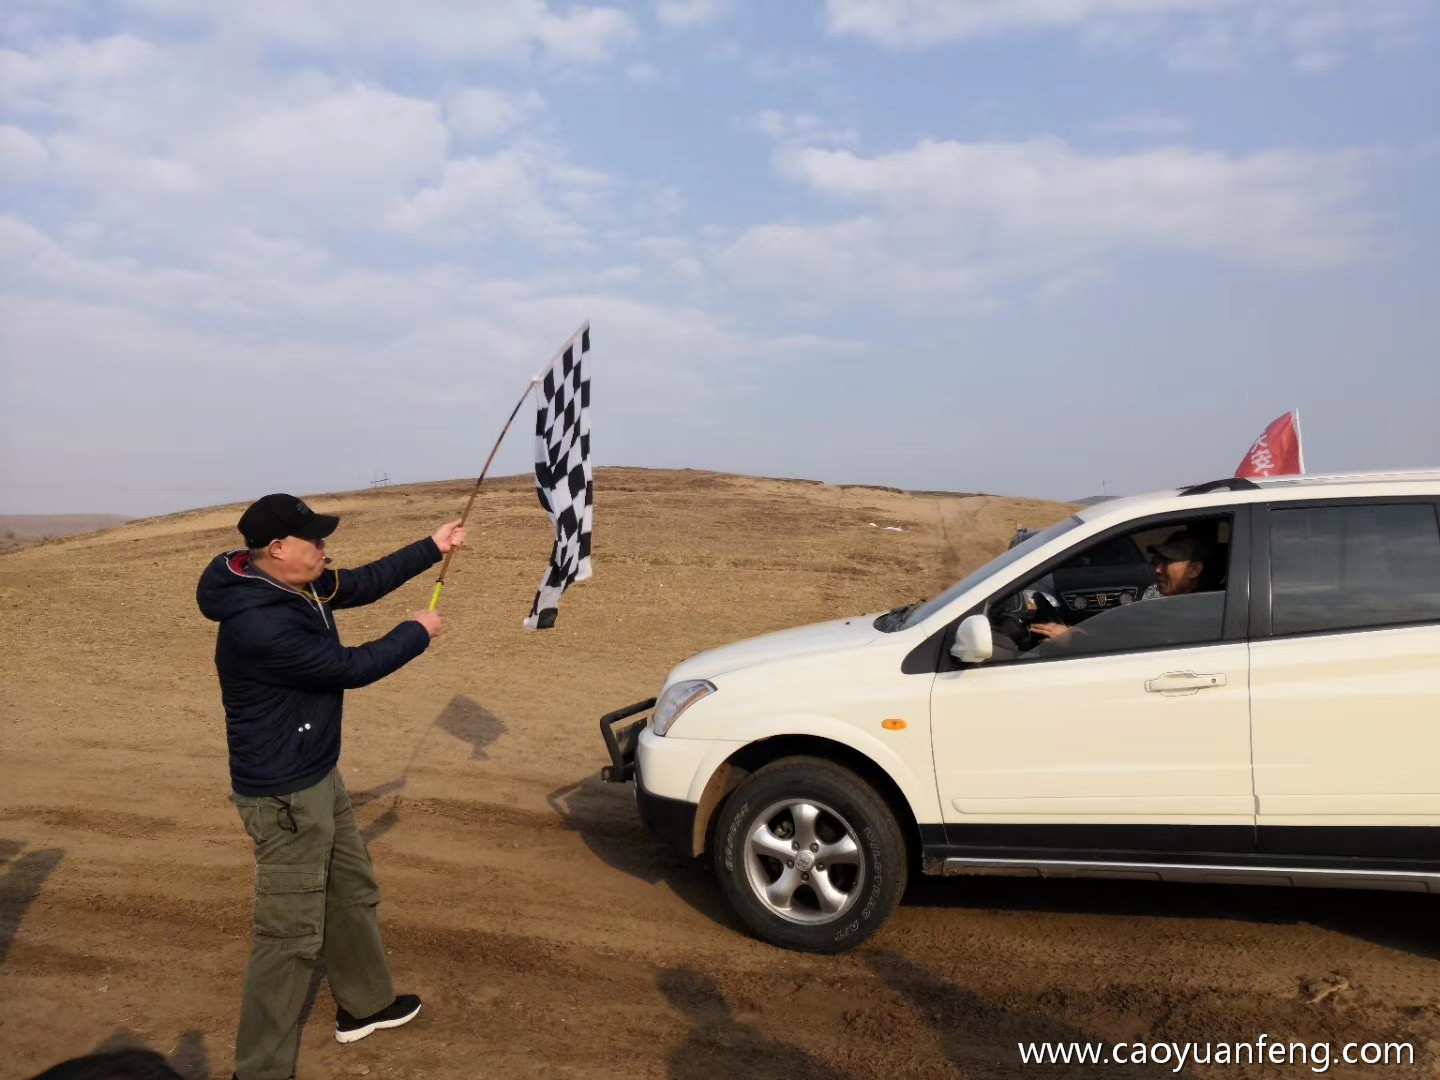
[444, 566]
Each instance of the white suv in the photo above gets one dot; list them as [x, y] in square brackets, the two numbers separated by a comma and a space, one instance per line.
[1269, 713]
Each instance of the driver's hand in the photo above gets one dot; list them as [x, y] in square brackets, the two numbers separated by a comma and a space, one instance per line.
[1049, 630]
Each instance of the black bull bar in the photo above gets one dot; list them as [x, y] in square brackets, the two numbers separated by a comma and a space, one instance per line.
[621, 731]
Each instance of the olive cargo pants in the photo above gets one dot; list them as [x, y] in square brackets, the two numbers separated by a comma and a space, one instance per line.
[315, 896]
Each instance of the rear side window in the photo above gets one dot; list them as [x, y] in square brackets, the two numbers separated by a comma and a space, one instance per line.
[1352, 567]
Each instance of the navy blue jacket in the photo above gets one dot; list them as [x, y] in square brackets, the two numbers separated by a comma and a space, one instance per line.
[283, 671]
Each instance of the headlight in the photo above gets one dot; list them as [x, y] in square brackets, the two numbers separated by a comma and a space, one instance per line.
[675, 700]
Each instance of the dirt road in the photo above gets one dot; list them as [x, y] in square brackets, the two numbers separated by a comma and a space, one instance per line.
[548, 936]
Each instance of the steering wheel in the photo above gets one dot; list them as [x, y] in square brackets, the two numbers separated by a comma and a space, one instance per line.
[1047, 609]
[1014, 625]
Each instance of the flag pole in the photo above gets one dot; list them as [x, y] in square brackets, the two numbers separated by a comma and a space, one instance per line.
[445, 566]
[1299, 442]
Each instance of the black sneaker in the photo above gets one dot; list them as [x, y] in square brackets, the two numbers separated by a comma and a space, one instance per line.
[400, 1011]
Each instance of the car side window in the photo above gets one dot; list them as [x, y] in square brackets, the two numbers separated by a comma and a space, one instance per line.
[1353, 567]
[1160, 585]
[1159, 623]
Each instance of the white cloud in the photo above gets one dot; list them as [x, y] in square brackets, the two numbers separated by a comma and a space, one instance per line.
[60, 73]
[22, 155]
[588, 36]
[674, 254]
[176, 154]
[348, 153]
[39, 18]
[377, 349]
[526, 191]
[481, 113]
[141, 174]
[800, 127]
[1199, 34]
[1283, 207]
[918, 23]
[177, 139]
[1319, 61]
[1148, 122]
[643, 74]
[777, 67]
[447, 30]
[691, 12]
[949, 218]
[37, 264]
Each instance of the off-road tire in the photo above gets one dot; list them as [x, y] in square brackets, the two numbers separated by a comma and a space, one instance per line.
[851, 802]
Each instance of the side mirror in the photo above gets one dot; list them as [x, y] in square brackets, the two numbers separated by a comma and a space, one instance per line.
[973, 641]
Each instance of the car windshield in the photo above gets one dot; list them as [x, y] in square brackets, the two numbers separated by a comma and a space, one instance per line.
[903, 618]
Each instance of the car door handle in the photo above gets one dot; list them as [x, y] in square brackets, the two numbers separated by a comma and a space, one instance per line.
[1182, 682]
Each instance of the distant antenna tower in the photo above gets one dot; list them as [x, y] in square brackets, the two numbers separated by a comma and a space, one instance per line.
[381, 481]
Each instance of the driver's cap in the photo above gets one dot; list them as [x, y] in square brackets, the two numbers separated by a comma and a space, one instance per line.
[1182, 546]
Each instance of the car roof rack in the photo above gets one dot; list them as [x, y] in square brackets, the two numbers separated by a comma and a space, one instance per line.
[1230, 483]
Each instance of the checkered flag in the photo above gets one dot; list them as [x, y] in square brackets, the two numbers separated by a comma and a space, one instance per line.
[562, 474]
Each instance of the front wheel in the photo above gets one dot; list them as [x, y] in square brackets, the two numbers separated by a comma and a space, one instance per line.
[809, 855]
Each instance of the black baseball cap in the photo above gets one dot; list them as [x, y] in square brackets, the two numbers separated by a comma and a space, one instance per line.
[277, 516]
[1183, 546]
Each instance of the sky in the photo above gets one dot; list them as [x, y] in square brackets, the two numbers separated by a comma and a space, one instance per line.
[1033, 247]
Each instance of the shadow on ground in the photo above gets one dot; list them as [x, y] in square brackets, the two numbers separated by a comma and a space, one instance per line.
[365, 798]
[468, 720]
[124, 1056]
[604, 815]
[464, 718]
[22, 881]
[719, 1045]
[1402, 921]
[980, 1038]
[389, 818]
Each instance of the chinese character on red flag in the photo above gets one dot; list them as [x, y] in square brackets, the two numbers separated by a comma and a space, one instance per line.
[1277, 452]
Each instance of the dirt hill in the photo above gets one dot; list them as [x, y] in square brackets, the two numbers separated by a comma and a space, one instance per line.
[548, 935]
[22, 530]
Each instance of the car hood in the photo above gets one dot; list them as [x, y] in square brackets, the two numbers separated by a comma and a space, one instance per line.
[839, 634]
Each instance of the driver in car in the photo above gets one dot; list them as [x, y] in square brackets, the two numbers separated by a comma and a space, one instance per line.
[1180, 562]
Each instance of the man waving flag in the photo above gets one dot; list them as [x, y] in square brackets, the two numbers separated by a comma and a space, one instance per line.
[562, 474]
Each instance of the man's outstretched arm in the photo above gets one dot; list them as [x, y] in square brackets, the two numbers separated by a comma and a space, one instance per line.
[366, 584]
[313, 661]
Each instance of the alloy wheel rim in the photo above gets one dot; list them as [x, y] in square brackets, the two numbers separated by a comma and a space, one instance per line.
[804, 862]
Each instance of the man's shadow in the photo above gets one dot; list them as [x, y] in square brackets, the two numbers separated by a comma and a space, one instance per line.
[718, 1045]
[20, 885]
[603, 813]
[1402, 921]
[982, 1039]
[124, 1056]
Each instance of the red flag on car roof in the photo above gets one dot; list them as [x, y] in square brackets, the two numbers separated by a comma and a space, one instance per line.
[1277, 452]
